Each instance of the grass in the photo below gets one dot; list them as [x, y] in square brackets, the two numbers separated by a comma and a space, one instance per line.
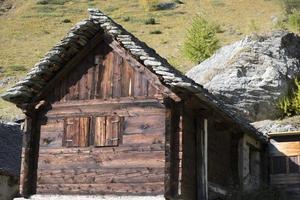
[29, 30]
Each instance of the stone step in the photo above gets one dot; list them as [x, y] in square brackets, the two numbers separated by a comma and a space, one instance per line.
[79, 197]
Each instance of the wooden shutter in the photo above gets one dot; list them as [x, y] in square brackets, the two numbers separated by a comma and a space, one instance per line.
[107, 131]
[76, 131]
[100, 129]
[112, 130]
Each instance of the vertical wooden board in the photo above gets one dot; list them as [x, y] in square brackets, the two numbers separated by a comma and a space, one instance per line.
[152, 91]
[112, 130]
[138, 80]
[82, 84]
[84, 128]
[144, 85]
[96, 78]
[100, 129]
[127, 81]
[90, 77]
[72, 132]
[117, 64]
[73, 87]
[110, 74]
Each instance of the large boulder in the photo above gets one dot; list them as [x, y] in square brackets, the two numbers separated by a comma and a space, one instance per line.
[253, 74]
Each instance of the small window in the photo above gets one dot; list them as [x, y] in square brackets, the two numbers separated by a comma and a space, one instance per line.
[293, 164]
[76, 131]
[107, 130]
[279, 165]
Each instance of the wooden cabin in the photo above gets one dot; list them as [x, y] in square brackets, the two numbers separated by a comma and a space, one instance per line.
[284, 152]
[106, 115]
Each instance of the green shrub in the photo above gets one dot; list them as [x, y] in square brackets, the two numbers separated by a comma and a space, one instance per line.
[156, 32]
[126, 19]
[66, 21]
[290, 5]
[150, 20]
[55, 2]
[201, 40]
[290, 104]
[294, 20]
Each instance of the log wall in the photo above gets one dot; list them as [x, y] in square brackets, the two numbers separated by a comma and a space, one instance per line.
[104, 84]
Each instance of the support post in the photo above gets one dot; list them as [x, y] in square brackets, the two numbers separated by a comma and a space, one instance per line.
[29, 153]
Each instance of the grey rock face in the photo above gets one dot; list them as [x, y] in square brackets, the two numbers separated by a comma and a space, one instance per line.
[251, 75]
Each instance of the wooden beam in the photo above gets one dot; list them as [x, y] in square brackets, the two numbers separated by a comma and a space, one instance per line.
[172, 152]
[30, 154]
[69, 66]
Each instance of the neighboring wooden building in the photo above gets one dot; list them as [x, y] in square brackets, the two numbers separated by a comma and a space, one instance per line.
[107, 115]
[10, 159]
[284, 151]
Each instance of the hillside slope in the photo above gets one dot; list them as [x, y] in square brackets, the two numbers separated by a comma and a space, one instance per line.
[29, 29]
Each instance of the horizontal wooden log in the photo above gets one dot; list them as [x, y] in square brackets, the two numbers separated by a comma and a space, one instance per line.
[108, 175]
[113, 160]
[104, 188]
[149, 138]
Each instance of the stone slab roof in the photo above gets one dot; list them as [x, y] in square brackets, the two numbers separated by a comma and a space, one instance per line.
[25, 90]
[10, 149]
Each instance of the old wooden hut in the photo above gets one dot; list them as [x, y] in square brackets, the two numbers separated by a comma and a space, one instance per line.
[284, 151]
[107, 115]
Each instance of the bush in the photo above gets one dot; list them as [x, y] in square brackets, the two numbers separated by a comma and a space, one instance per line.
[55, 2]
[201, 40]
[156, 32]
[126, 19]
[290, 5]
[66, 21]
[294, 20]
[290, 104]
[150, 20]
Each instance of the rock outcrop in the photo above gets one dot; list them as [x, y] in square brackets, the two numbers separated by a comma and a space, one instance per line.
[253, 74]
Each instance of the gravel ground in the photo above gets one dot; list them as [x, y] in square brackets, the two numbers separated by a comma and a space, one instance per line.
[72, 197]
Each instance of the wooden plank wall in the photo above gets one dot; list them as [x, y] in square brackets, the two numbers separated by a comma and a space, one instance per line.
[136, 166]
[104, 74]
[104, 84]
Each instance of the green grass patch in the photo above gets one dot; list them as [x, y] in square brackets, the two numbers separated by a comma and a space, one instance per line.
[150, 21]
